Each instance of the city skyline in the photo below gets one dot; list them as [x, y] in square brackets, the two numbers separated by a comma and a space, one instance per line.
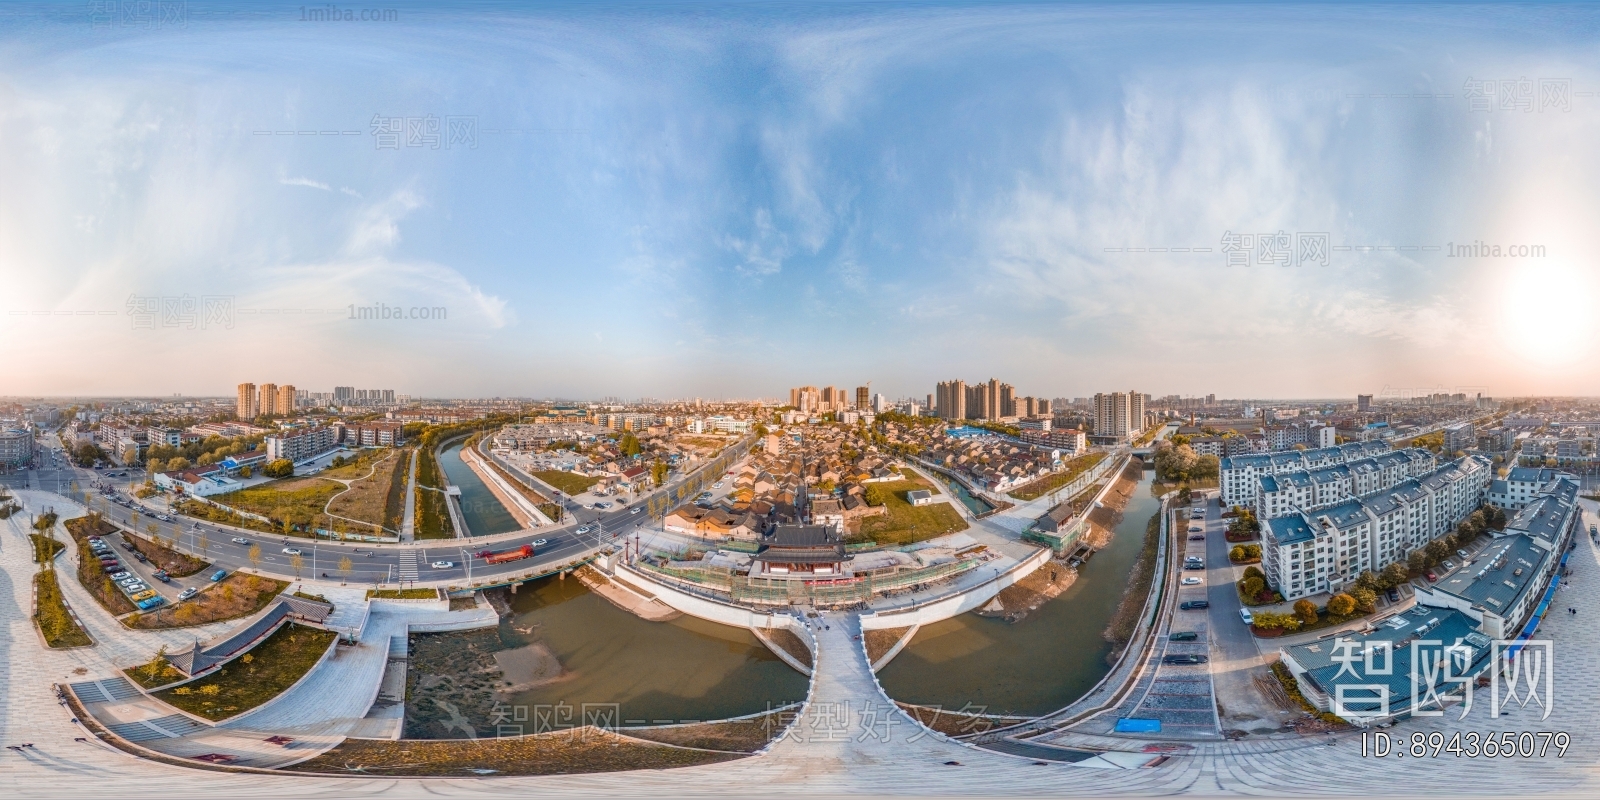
[708, 221]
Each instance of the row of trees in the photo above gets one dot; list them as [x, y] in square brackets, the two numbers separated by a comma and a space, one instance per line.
[1180, 463]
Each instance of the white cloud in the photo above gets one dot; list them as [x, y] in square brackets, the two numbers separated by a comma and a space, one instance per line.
[305, 182]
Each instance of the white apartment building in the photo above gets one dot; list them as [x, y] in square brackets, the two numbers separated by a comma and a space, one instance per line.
[1239, 474]
[1520, 486]
[302, 444]
[1312, 551]
[1279, 495]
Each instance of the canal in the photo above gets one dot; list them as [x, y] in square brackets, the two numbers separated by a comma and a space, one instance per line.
[977, 505]
[564, 647]
[1044, 662]
[483, 512]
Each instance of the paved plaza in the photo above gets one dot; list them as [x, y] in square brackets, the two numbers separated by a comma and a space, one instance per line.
[849, 739]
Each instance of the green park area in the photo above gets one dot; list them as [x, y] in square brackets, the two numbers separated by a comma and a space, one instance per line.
[291, 501]
[377, 493]
[251, 679]
[905, 523]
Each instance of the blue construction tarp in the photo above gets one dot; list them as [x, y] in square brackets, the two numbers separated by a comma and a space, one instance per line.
[1133, 725]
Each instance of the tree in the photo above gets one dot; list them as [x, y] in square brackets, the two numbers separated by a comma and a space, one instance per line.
[1341, 605]
[345, 565]
[245, 472]
[255, 556]
[1417, 561]
[280, 468]
[177, 463]
[1306, 611]
[1367, 580]
[658, 472]
[1254, 572]
[1267, 620]
[297, 562]
[629, 445]
[1366, 599]
[1252, 587]
[1436, 551]
[1394, 575]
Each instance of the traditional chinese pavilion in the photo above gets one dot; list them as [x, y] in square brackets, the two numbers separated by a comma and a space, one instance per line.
[800, 552]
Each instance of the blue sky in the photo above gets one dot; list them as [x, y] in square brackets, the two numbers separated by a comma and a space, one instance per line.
[730, 199]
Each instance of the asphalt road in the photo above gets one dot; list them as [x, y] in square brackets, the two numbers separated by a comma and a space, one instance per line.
[368, 562]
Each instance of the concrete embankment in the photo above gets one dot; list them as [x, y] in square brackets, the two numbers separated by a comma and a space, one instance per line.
[724, 613]
[959, 603]
[645, 607]
[521, 508]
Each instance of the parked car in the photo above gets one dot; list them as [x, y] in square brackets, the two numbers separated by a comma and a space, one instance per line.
[1199, 538]
[1183, 636]
[1190, 581]
[443, 565]
[1191, 605]
[1193, 565]
[218, 575]
[144, 595]
[188, 593]
[1462, 553]
[1249, 618]
[121, 576]
[717, 485]
[1432, 577]
[140, 557]
[1183, 658]
[1393, 595]
[239, 540]
[110, 568]
[146, 605]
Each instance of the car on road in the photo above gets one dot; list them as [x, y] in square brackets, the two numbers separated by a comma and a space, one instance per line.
[218, 575]
[188, 593]
[1183, 636]
[1192, 605]
[717, 485]
[1198, 538]
[1190, 581]
[1249, 618]
[163, 517]
[635, 510]
[540, 542]
[1183, 658]
[443, 565]
[602, 506]
[291, 551]
[161, 575]
[585, 529]
[239, 540]
[121, 576]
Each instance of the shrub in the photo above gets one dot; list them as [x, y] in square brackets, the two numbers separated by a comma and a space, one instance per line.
[1252, 586]
[1341, 605]
[281, 468]
[1268, 621]
[1306, 611]
[1366, 599]
[1236, 554]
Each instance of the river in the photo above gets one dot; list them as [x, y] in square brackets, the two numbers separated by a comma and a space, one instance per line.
[685, 669]
[1044, 662]
[484, 513]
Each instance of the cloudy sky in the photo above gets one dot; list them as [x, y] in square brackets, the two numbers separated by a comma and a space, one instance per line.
[727, 200]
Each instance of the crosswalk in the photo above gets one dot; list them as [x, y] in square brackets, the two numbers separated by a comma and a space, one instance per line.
[408, 565]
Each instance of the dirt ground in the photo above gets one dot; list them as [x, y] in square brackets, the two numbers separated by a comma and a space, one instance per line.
[1040, 586]
[881, 640]
[1104, 519]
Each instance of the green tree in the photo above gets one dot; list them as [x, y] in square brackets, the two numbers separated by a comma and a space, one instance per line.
[177, 463]
[876, 495]
[1306, 611]
[629, 445]
[1252, 587]
[1236, 554]
[1366, 599]
[1267, 620]
[1394, 575]
[1253, 571]
[1341, 605]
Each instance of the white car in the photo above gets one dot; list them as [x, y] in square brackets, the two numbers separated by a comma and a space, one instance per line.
[540, 542]
[1190, 581]
[717, 485]
[586, 529]
[291, 551]
[635, 510]
[1244, 614]
[188, 593]
[239, 540]
[443, 564]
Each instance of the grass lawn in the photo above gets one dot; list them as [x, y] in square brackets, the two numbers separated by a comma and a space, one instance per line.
[379, 499]
[238, 595]
[90, 576]
[906, 523]
[358, 466]
[569, 482]
[255, 677]
[297, 499]
[52, 617]
[1056, 480]
[206, 511]
[433, 518]
[403, 594]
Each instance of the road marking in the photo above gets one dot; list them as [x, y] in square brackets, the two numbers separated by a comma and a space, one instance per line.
[408, 565]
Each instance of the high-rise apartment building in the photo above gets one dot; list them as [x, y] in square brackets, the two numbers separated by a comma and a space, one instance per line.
[805, 399]
[950, 400]
[1363, 402]
[343, 395]
[245, 407]
[978, 401]
[268, 404]
[832, 399]
[286, 399]
[863, 397]
[1007, 400]
[1119, 414]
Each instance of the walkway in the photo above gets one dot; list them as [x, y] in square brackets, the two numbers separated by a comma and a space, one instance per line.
[408, 523]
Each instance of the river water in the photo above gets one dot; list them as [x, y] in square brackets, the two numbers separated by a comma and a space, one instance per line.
[1044, 662]
[484, 513]
[685, 669]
